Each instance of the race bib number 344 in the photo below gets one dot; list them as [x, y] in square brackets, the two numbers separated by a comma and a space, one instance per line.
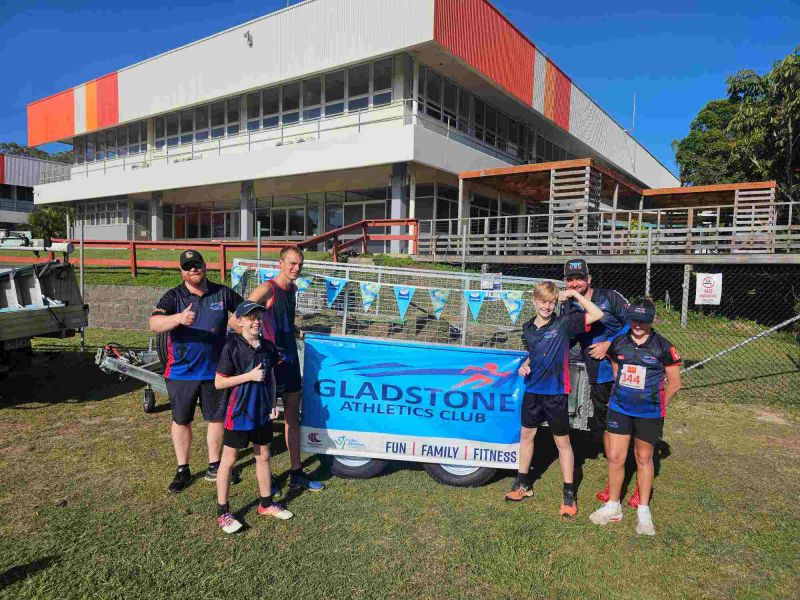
[633, 376]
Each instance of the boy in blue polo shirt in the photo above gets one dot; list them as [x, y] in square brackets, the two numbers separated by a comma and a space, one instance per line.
[646, 377]
[246, 368]
[546, 372]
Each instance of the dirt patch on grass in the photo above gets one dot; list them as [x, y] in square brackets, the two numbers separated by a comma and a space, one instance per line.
[789, 442]
[769, 416]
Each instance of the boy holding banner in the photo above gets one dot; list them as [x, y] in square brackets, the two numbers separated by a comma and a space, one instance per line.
[546, 372]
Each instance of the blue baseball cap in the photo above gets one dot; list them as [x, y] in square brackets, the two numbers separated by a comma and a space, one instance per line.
[246, 307]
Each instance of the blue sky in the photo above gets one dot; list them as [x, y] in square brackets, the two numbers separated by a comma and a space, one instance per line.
[674, 56]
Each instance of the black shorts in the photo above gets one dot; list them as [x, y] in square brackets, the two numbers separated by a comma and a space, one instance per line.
[600, 394]
[287, 377]
[184, 394]
[538, 408]
[260, 436]
[642, 428]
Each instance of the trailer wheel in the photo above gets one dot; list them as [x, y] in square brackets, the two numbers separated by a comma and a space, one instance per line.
[356, 467]
[161, 348]
[149, 401]
[459, 475]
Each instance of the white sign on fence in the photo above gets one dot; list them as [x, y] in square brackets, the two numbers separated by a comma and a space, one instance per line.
[708, 289]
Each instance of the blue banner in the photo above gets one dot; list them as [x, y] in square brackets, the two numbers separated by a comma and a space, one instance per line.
[333, 287]
[403, 294]
[475, 300]
[302, 283]
[514, 303]
[264, 274]
[411, 401]
[369, 291]
[438, 301]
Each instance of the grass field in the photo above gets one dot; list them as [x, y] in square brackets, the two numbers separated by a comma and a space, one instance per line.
[86, 513]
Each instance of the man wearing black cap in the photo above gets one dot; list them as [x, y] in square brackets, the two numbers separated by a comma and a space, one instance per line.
[195, 315]
[595, 343]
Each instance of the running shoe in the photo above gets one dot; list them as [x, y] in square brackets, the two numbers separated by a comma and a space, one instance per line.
[633, 502]
[181, 480]
[644, 524]
[275, 486]
[606, 514]
[228, 523]
[519, 492]
[211, 475]
[569, 506]
[303, 482]
[604, 495]
[277, 510]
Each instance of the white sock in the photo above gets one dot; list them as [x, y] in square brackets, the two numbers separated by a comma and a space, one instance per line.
[643, 511]
[614, 505]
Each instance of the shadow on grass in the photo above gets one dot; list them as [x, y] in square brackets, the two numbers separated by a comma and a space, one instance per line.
[57, 377]
[740, 379]
[22, 572]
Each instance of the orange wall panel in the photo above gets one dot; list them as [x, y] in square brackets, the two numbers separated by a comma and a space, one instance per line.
[107, 101]
[91, 106]
[484, 39]
[550, 90]
[51, 119]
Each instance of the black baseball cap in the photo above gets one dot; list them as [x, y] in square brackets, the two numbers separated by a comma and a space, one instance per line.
[191, 258]
[642, 310]
[246, 307]
[576, 267]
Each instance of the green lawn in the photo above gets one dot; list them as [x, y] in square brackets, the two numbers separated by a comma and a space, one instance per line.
[86, 513]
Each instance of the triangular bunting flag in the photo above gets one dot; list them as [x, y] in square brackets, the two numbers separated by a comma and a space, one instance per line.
[236, 274]
[475, 300]
[264, 274]
[514, 302]
[438, 301]
[333, 287]
[369, 291]
[302, 284]
[403, 294]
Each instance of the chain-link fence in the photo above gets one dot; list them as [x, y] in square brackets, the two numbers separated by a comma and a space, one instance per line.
[746, 348]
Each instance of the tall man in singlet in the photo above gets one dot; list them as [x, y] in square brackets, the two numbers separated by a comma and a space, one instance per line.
[279, 296]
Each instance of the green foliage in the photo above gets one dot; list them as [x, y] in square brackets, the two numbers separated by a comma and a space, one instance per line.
[14, 149]
[49, 221]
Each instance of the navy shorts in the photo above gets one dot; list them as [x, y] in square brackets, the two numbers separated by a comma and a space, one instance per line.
[538, 408]
[643, 428]
[184, 395]
[600, 394]
[287, 377]
[261, 436]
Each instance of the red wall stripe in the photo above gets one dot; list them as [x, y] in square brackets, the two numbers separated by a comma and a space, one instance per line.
[2, 169]
[563, 90]
[107, 101]
[483, 38]
[51, 119]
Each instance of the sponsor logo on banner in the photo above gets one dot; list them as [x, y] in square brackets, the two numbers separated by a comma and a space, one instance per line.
[475, 301]
[513, 302]
[438, 301]
[302, 283]
[333, 287]
[264, 274]
[403, 294]
[237, 272]
[313, 440]
[708, 289]
[423, 401]
[369, 291]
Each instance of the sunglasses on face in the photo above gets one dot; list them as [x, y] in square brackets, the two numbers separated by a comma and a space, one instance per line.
[196, 266]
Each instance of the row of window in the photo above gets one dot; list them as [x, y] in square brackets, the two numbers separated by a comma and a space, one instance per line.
[112, 212]
[111, 143]
[445, 101]
[7, 192]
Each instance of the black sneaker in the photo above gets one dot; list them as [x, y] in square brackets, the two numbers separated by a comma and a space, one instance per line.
[211, 475]
[181, 480]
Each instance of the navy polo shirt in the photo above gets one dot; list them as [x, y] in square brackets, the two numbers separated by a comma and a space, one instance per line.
[639, 387]
[193, 351]
[250, 403]
[614, 323]
[548, 350]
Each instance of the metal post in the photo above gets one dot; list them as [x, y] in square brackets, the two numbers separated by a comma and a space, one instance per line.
[346, 302]
[258, 240]
[464, 228]
[649, 252]
[83, 298]
[687, 270]
[464, 311]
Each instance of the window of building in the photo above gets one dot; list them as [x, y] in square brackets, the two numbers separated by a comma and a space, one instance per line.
[382, 75]
[312, 98]
[334, 93]
[290, 103]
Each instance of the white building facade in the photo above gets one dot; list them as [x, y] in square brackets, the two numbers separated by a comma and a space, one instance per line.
[320, 115]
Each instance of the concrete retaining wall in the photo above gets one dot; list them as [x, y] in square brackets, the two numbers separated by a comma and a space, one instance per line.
[121, 306]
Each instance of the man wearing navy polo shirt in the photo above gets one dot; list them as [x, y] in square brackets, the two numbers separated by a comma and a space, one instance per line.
[196, 315]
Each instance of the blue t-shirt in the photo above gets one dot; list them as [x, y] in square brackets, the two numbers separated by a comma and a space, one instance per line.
[193, 351]
[548, 350]
[250, 403]
[639, 387]
[614, 323]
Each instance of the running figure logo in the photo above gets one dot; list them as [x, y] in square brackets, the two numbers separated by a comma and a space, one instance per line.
[484, 375]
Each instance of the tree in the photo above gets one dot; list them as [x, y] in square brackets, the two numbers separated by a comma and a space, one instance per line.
[49, 221]
[12, 148]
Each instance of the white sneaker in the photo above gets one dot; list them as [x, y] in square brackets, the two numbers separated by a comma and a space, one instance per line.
[606, 514]
[228, 523]
[644, 524]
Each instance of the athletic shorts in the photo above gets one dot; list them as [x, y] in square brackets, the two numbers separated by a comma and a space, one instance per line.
[260, 436]
[642, 428]
[287, 377]
[600, 394]
[538, 408]
[184, 395]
